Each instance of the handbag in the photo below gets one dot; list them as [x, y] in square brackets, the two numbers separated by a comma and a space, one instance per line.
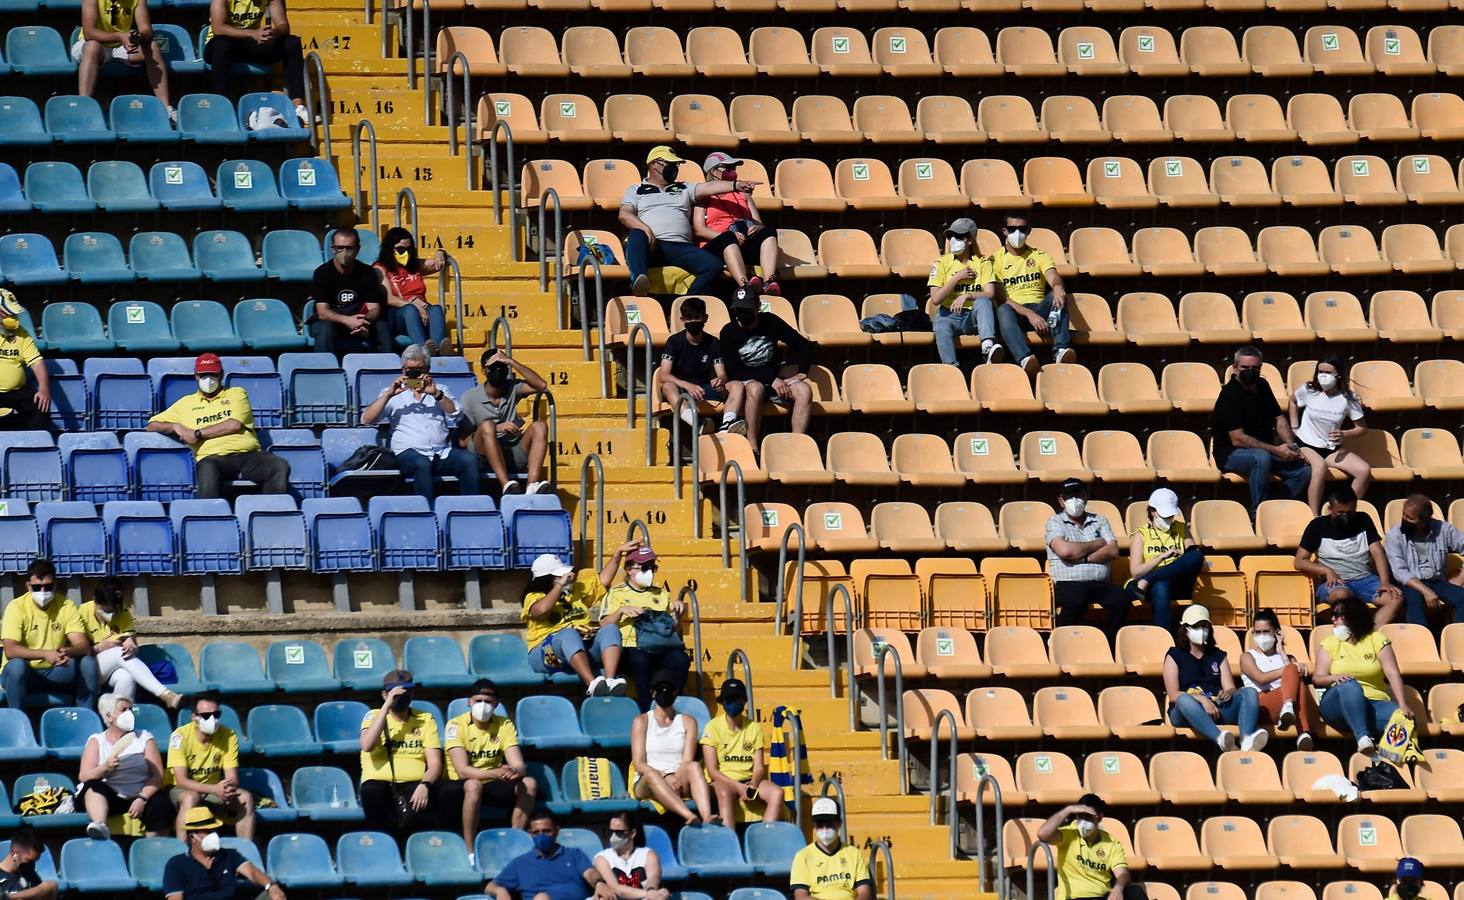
[370, 458]
[1380, 777]
[656, 632]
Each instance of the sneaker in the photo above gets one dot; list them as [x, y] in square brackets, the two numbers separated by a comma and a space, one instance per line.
[1066, 355]
[641, 287]
[1256, 740]
[598, 688]
[993, 352]
[1304, 742]
[1030, 365]
[1226, 740]
[98, 831]
[772, 288]
[1287, 717]
[756, 282]
[173, 115]
[472, 860]
[171, 699]
[1365, 746]
[540, 487]
[737, 426]
[303, 116]
[513, 487]
[616, 687]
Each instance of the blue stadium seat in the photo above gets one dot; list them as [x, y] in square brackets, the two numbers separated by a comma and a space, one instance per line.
[503, 657]
[95, 257]
[535, 524]
[161, 466]
[73, 537]
[325, 794]
[756, 893]
[658, 840]
[607, 720]
[696, 708]
[340, 535]
[209, 119]
[37, 50]
[361, 664]
[690, 895]
[95, 866]
[551, 795]
[207, 536]
[172, 379]
[30, 783]
[9, 819]
[311, 184]
[31, 465]
[439, 858]
[205, 325]
[257, 376]
[234, 668]
[301, 861]
[293, 130]
[19, 535]
[266, 324]
[20, 122]
[244, 848]
[56, 187]
[177, 48]
[75, 328]
[17, 740]
[369, 374]
[264, 783]
[472, 532]
[28, 325]
[30, 259]
[161, 256]
[619, 800]
[435, 711]
[64, 730]
[769, 847]
[141, 326]
[153, 718]
[371, 859]
[306, 459]
[119, 186]
[370, 244]
[225, 256]
[122, 394]
[711, 851]
[299, 665]
[496, 847]
[274, 531]
[406, 534]
[282, 731]
[583, 840]
[339, 443]
[141, 537]
[248, 185]
[147, 857]
[73, 119]
[338, 724]
[181, 186]
[142, 118]
[182, 662]
[289, 255]
[12, 198]
[549, 722]
[435, 661]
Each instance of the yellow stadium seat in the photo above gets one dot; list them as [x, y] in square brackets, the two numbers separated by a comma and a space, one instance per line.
[1068, 389]
[1369, 842]
[1009, 119]
[986, 458]
[1141, 649]
[950, 652]
[1165, 252]
[992, 183]
[1000, 714]
[875, 389]
[589, 236]
[883, 119]
[1149, 320]
[1027, 51]
[474, 43]
[1446, 48]
[937, 388]
[970, 767]
[1223, 525]
[1383, 385]
[1250, 778]
[1048, 777]
[1236, 844]
[1434, 453]
[1081, 651]
[1226, 250]
[1273, 52]
[1333, 50]
[888, 593]
[1195, 118]
[572, 118]
[794, 459]
[635, 118]
[1134, 119]
[1402, 315]
[1101, 252]
[865, 642]
[838, 528]
[823, 119]
[1241, 181]
[1367, 181]
[1021, 592]
[655, 51]
[1150, 52]
[1436, 114]
[531, 53]
[1257, 118]
[1066, 713]
[1182, 778]
[831, 321]
[716, 450]
[1290, 251]
[1415, 249]
[1351, 890]
[1168, 843]
[1211, 318]
[1433, 840]
[904, 53]
[1018, 652]
[1380, 117]
[1118, 777]
[700, 120]
[765, 523]
[956, 592]
[1318, 120]
[1088, 50]
[1304, 181]
[1439, 383]
[1415, 649]
[591, 51]
[543, 174]
[1114, 456]
[780, 52]
[947, 120]
[1302, 769]
[1047, 240]
[1018, 836]
[924, 460]
[1211, 51]
[1179, 181]
[1302, 842]
[858, 458]
[605, 181]
[864, 183]
[1092, 321]
[1439, 776]
[921, 708]
[1130, 388]
[968, 528]
[1275, 316]
[516, 111]
[1072, 120]
[807, 185]
[908, 253]
[715, 51]
[1448, 313]
[1397, 51]
[1054, 181]
[1117, 182]
[1132, 713]
[621, 313]
[820, 576]
[842, 51]
[1003, 387]
[761, 119]
[1281, 522]
[1181, 456]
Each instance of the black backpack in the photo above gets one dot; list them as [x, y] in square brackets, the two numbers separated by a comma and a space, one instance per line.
[370, 458]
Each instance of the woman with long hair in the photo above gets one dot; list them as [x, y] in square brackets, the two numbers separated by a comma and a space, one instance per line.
[403, 278]
[1320, 411]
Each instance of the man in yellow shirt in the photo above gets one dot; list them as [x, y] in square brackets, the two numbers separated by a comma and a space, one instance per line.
[21, 408]
[203, 768]
[218, 423]
[401, 762]
[958, 291]
[734, 752]
[484, 762]
[1035, 296]
[829, 869]
[1091, 863]
[45, 643]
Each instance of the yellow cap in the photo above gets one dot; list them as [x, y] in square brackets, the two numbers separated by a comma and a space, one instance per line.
[663, 152]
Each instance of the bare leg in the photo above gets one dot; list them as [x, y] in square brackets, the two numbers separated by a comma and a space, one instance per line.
[733, 403]
[1389, 606]
[580, 663]
[1318, 484]
[88, 68]
[96, 807]
[157, 72]
[1357, 467]
[186, 801]
[472, 805]
[701, 792]
[669, 393]
[752, 410]
[768, 259]
[488, 447]
[802, 406]
[528, 795]
[652, 784]
[610, 661]
[727, 798]
[732, 256]
[772, 795]
[244, 826]
[536, 445]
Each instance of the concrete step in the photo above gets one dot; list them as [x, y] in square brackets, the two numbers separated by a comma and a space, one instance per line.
[863, 807]
[617, 447]
[390, 109]
[940, 889]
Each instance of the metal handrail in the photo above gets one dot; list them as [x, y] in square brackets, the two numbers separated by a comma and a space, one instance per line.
[584, 309]
[982, 783]
[883, 848]
[507, 336]
[795, 749]
[833, 652]
[947, 716]
[645, 531]
[638, 328]
[735, 468]
[824, 783]
[778, 577]
[676, 424]
[584, 506]
[548, 397]
[385, 26]
[880, 652]
[365, 127]
[511, 176]
[427, 50]
[410, 25]
[558, 255]
[696, 640]
[732, 658]
[451, 103]
[459, 311]
[406, 199]
[320, 124]
[1032, 873]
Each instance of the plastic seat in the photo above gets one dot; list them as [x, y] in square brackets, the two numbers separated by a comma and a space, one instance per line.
[181, 186]
[780, 52]
[531, 52]
[1380, 117]
[370, 859]
[162, 466]
[94, 257]
[209, 119]
[311, 184]
[842, 52]
[1436, 114]
[1119, 778]
[147, 857]
[234, 667]
[289, 130]
[1027, 52]
[1054, 181]
[207, 536]
[1367, 181]
[718, 52]
[119, 186]
[1068, 389]
[1366, 839]
[140, 326]
[1211, 51]
[161, 256]
[340, 535]
[21, 120]
[1273, 52]
[1335, 51]
[1240, 181]
[281, 731]
[1304, 181]
[89, 866]
[1290, 251]
[1235, 843]
[1438, 776]
[302, 861]
[1132, 713]
[1081, 651]
[324, 793]
[1436, 382]
[298, 666]
[37, 50]
[406, 533]
[1414, 249]
[65, 729]
[1150, 52]
[630, 117]
[857, 458]
[248, 185]
[1089, 51]
[1257, 118]
[1072, 119]
[1182, 778]
[1101, 252]
[29, 259]
[711, 851]
[651, 51]
[1168, 843]
[1141, 649]
[475, 44]
[1048, 777]
[1318, 120]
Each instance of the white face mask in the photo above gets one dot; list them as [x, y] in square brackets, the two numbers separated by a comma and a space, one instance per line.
[621, 841]
[125, 720]
[1074, 506]
[1341, 632]
[959, 245]
[208, 383]
[1326, 380]
[210, 843]
[1086, 827]
[643, 578]
[1163, 522]
[104, 615]
[826, 836]
[482, 711]
[1017, 239]
[1197, 635]
[207, 726]
[1266, 642]
[42, 598]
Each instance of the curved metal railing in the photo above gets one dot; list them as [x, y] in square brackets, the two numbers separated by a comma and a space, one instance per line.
[833, 652]
[738, 656]
[780, 587]
[316, 95]
[547, 396]
[696, 638]
[459, 310]
[676, 424]
[638, 525]
[948, 717]
[825, 782]
[558, 255]
[880, 652]
[1032, 872]
[584, 504]
[493, 345]
[735, 468]
[406, 201]
[883, 849]
[638, 328]
[365, 127]
[496, 184]
[1002, 887]
[450, 100]
[428, 49]
[584, 308]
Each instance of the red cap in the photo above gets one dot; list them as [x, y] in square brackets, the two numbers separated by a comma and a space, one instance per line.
[208, 364]
[641, 555]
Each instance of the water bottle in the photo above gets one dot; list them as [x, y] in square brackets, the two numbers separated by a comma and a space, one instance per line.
[335, 797]
[1052, 318]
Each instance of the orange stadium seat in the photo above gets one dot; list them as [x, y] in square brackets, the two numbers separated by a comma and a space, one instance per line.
[928, 183]
[858, 458]
[1427, 179]
[1415, 249]
[1150, 52]
[1132, 713]
[950, 652]
[922, 707]
[474, 43]
[1048, 777]
[1131, 388]
[807, 185]
[1211, 318]
[1072, 119]
[838, 528]
[1087, 50]
[1027, 51]
[1302, 842]
[606, 180]
[1304, 181]
[1433, 840]
[531, 53]
[1141, 649]
[1408, 794]
[1369, 842]
[992, 183]
[1337, 316]
[1281, 522]
[1081, 651]
[761, 119]
[986, 458]
[1380, 117]
[884, 119]
[888, 593]
[1318, 120]
[572, 118]
[1224, 525]
[1190, 387]
[1134, 119]
[1165, 252]
[637, 119]
[1179, 181]
[875, 389]
[1149, 320]
[1066, 713]
[1402, 315]
[1195, 118]
[1396, 50]
[865, 641]
[1101, 252]
[1302, 769]
[1257, 118]
[700, 120]
[1439, 383]
[1439, 776]
[1115, 456]
[823, 119]
[516, 111]
[655, 51]
[1021, 592]
[1383, 385]
[965, 52]
[1211, 51]
[715, 51]
[1367, 181]
[1236, 843]
[865, 183]
[904, 53]
[1168, 843]
[560, 175]
[947, 120]
[1241, 181]
[1183, 778]
[716, 450]
[1275, 316]
[794, 459]
[1092, 321]
[842, 51]
[1351, 890]
[830, 320]
[924, 460]
[1181, 457]
[1448, 312]
[1333, 50]
[1250, 778]
[572, 243]
[1226, 250]
[967, 528]
[1272, 51]
[1003, 387]
[1454, 243]
[1290, 251]
[765, 524]
[1068, 389]
[970, 767]
[1117, 182]
[1000, 714]
[1009, 119]
[591, 51]
[780, 52]
[1051, 457]
[1437, 114]
[937, 388]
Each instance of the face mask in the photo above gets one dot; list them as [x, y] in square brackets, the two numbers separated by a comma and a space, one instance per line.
[42, 598]
[207, 726]
[403, 703]
[10, 324]
[695, 329]
[826, 836]
[1163, 522]
[668, 172]
[346, 255]
[1343, 520]
[643, 578]
[209, 384]
[1408, 889]
[1249, 377]
[1341, 632]
[1197, 635]
[747, 320]
[1086, 827]
[104, 615]
[1266, 642]
[482, 711]
[1074, 506]
[959, 245]
[210, 843]
[1017, 239]
[125, 720]
[1326, 380]
[733, 707]
[402, 257]
[665, 698]
[544, 843]
[620, 841]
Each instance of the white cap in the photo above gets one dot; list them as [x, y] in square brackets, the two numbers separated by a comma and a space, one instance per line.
[549, 564]
[1165, 502]
[825, 806]
[1194, 615]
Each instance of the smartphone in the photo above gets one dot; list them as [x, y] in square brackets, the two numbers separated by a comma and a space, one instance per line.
[414, 384]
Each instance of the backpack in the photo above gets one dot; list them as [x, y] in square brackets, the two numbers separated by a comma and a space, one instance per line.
[604, 254]
[1380, 777]
[370, 458]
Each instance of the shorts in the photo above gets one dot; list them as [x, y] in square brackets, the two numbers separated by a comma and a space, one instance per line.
[709, 393]
[1364, 588]
[502, 794]
[769, 395]
[118, 53]
[1323, 452]
[556, 650]
[227, 812]
[515, 455]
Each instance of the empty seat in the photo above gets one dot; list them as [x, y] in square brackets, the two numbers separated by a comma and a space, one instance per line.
[1304, 181]
[1101, 252]
[1150, 52]
[717, 52]
[842, 51]
[884, 120]
[1367, 181]
[1273, 52]
[1195, 118]
[1318, 120]
[1335, 51]
[1290, 251]
[1027, 51]
[1380, 117]
[1073, 119]
[1183, 778]
[1132, 712]
[1168, 843]
[965, 52]
[1212, 52]
[1179, 181]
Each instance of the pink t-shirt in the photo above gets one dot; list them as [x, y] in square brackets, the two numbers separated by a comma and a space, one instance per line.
[724, 209]
[408, 285]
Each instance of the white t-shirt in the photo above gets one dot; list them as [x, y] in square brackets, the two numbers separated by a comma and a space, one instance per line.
[628, 872]
[1323, 413]
[1266, 662]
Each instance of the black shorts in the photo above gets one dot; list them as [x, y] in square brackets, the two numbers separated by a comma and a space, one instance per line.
[709, 393]
[157, 811]
[1323, 452]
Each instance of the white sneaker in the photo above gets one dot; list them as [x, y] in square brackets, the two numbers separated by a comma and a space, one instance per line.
[1365, 745]
[1287, 717]
[598, 688]
[617, 687]
[472, 860]
[1066, 356]
[1304, 742]
[303, 116]
[1226, 740]
[512, 487]
[98, 831]
[173, 115]
[1030, 365]
[993, 352]
[1256, 740]
[540, 487]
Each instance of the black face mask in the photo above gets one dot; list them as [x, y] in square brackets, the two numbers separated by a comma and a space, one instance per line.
[402, 703]
[1343, 520]
[1249, 377]
[1408, 889]
[747, 319]
[665, 698]
[695, 328]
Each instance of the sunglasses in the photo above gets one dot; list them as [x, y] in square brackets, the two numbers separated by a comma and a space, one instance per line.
[206, 715]
[1024, 229]
[621, 832]
[44, 586]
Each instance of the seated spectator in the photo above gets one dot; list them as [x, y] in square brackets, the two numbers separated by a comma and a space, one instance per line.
[1202, 691]
[829, 869]
[349, 300]
[1091, 863]
[1036, 297]
[750, 352]
[403, 281]
[255, 31]
[658, 214]
[628, 866]
[1358, 674]
[110, 628]
[22, 408]
[550, 871]
[423, 419]
[485, 764]
[19, 879]
[203, 768]
[1418, 549]
[499, 433]
[218, 423]
[119, 30]
[401, 762]
[1163, 559]
[46, 649]
[1279, 679]
[1251, 436]
[958, 282]
[691, 361]
[663, 746]
[1319, 412]
[650, 624]
[209, 871]
[734, 752]
[730, 226]
[1080, 546]
[1335, 549]
[557, 623]
[122, 773]
[1407, 880]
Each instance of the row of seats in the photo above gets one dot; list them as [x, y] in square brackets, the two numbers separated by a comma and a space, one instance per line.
[143, 119]
[38, 50]
[1266, 890]
[946, 6]
[96, 257]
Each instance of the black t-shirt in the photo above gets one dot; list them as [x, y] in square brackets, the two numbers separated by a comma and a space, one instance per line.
[1342, 548]
[1253, 412]
[220, 881]
[692, 362]
[346, 293]
[754, 355]
[1203, 673]
[23, 878]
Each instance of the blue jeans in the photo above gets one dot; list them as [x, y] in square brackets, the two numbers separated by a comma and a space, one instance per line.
[1242, 709]
[1175, 581]
[1258, 466]
[1345, 706]
[1014, 329]
[1363, 588]
[78, 679]
[705, 267]
[421, 468]
[408, 321]
[1450, 593]
[566, 643]
[949, 326]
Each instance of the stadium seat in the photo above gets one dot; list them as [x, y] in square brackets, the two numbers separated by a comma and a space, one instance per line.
[531, 52]
[31, 466]
[298, 666]
[57, 187]
[406, 533]
[1054, 181]
[225, 256]
[119, 186]
[17, 741]
[1335, 51]
[1017, 652]
[340, 535]
[302, 861]
[207, 536]
[93, 866]
[1437, 385]
[161, 256]
[20, 539]
[535, 524]
[248, 185]
[1000, 714]
[74, 119]
[147, 857]
[1071, 119]
[494, 847]
[141, 537]
[435, 661]
[1304, 181]
[281, 731]
[337, 724]
[1439, 777]
[858, 458]
[1290, 251]
[1414, 249]
[1183, 778]
[234, 667]
[1048, 777]
[311, 184]
[65, 729]
[273, 531]
[21, 121]
[141, 326]
[1193, 118]
[572, 118]
[162, 467]
[266, 324]
[1235, 843]
[37, 50]
[607, 720]
[770, 847]
[324, 793]
[370, 859]
[39, 781]
[29, 259]
[1168, 843]
[618, 801]
[1367, 841]
[141, 118]
[1067, 713]
[1225, 250]
[95, 257]
[182, 186]
[209, 119]
[1257, 118]
[12, 198]
[472, 532]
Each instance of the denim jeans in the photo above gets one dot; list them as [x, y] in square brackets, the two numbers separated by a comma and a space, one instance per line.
[949, 326]
[1346, 706]
[408, 321]
[705, 267]
[566, 643]
[1364, 588]
[1258, 466]
[79, 679]
[1450, 593]
[1014, 329]
[421, 468]
[1242, 709]
[1175, 581]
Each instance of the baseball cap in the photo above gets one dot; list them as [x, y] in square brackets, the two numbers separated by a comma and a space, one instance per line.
[208, 363]
[1194, 615]
[1408, 867]
[1165, 502]
[1072, 488]
[662, 152]
[825, 806]
[397, 678]
[10, 307]
[747, 297]
[962, 226]
[718, 158]
[641, 555]
[732, 689]
[201, 818]
[549, 564]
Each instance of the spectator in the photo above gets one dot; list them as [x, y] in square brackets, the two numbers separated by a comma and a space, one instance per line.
[734, 752]
[663, 755]
[401, 761]
[255, 31]
[628, 866]
[1244, 429]
[119, 30]
[45, 643]
[122, 773]
[691, 361]
[1091, 863]
[203, 765]
[750, 351]
[21, 408]
[485, 764]
[958, 282]
[1163, 559]
[403, 282]
[556, 616]
[1418, 549]
[423, 419]
[218, 423]
[209, 871]
[1035, 296]
[1358, 672]
[1202, 691]
[112, 633]
[1407, 880]
[1080, 546]
[349, 299]
[650, 624]
[1342, 542]
[658, 213]
[829, 869]
[730, 226]
[19, 879]
[499, 433]
[1278, 679]
[1318, 412]
[550, 871]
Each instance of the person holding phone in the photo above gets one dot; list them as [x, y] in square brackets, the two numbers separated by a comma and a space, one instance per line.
[423, 418]
[119, 30]
[1324, 412]
[1163, 559]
